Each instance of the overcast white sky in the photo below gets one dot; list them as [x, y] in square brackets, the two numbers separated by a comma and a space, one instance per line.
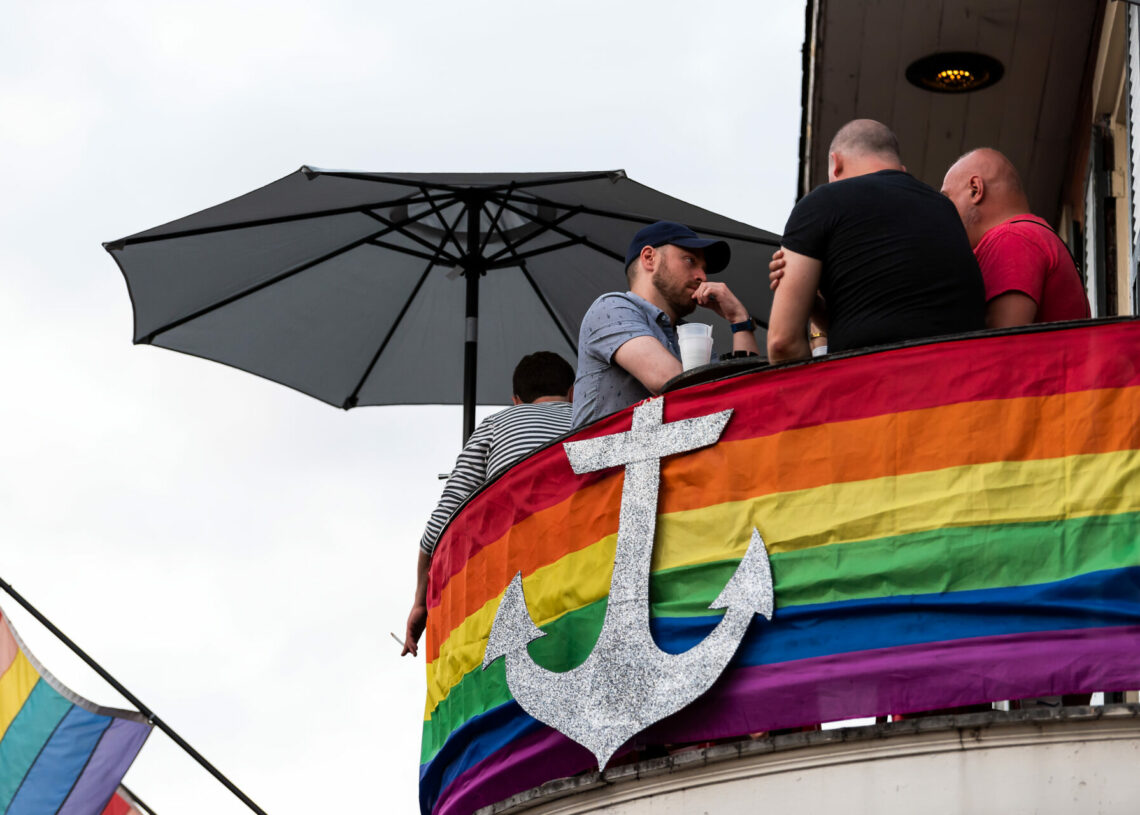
[235, 552]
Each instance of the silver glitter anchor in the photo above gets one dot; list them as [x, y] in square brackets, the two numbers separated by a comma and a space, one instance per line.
[627, 683]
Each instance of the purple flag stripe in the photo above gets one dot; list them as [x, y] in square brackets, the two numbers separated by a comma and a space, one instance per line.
[105, 769]
[904, 679]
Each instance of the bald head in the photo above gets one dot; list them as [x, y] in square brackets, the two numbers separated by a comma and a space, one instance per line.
[865, 137]
[862, 146]
[986, 190]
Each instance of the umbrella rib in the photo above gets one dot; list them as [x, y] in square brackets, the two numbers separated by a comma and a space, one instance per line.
[402, 249]
[517, 257]
[387, 179]
[451, 229]
[352, 398]
[448, 231]
[455, 188]
[411, 235]
[494, 222]
[436, 251]
[612, 175]
[772, 239]
[308, 264]
[541, 298]
[597, 247]
[549, 310]
[122, 243]
[543, 229]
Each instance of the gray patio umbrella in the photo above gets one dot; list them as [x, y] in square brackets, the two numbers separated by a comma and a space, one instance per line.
[398, 288]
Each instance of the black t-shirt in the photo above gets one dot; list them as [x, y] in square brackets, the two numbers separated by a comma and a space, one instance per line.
[897, 264]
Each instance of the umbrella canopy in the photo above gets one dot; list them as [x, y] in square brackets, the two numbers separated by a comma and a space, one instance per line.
[405, 288]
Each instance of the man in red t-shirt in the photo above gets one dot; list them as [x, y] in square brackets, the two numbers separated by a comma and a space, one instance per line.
[1029, 274]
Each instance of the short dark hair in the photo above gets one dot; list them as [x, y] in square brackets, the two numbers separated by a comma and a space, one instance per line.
[629, 270]
[543, 373]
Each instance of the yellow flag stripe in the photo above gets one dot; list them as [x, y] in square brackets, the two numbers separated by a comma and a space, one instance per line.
[980, 494]
[15, 686]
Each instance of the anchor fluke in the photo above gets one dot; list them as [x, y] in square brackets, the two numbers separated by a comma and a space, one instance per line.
[512, 629]
[750, 587]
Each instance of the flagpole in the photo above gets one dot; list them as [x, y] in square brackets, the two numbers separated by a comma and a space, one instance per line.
[152, 718]
[136, 800]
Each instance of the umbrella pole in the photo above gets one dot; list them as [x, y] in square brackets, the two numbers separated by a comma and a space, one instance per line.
[472, 270]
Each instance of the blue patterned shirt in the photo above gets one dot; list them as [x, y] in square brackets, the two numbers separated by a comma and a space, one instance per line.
[602, 386]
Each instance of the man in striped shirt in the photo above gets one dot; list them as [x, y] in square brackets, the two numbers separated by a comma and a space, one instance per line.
[543, 387]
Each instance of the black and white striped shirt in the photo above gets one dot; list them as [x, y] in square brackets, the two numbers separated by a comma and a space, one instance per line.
[498, 442]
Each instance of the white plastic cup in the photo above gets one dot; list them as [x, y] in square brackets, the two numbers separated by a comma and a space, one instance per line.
[694, 330]
[695, 350]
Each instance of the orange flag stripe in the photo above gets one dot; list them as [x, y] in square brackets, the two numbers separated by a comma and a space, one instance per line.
[912, 441]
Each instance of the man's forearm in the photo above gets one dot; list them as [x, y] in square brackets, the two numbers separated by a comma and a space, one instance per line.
[745, 341]
[793, 346]
[417, 617]
[423, 566]
[650, 362]
[793, 305]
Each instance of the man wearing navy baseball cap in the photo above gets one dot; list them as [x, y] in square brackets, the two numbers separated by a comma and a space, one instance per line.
[627, 346]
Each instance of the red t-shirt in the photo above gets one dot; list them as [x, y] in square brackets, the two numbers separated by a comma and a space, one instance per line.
[1030, 258]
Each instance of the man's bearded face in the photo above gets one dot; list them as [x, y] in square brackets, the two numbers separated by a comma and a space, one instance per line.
[679, 272]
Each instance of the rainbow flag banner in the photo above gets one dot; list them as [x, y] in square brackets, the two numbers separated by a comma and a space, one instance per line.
[59, 753]
[948, 523]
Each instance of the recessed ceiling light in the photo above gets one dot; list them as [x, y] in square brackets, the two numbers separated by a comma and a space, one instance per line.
[954, 72]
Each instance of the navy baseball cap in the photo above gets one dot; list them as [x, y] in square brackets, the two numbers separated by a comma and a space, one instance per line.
[717, 253]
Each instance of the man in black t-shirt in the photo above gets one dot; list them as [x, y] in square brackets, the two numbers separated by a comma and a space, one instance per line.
[873, 257]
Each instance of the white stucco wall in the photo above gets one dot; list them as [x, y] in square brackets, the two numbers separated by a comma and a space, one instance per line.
[988, 763]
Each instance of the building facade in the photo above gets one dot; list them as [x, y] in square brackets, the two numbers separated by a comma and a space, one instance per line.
[1061, 101]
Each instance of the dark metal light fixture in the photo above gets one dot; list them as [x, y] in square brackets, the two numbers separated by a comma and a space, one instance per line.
[954, 72]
